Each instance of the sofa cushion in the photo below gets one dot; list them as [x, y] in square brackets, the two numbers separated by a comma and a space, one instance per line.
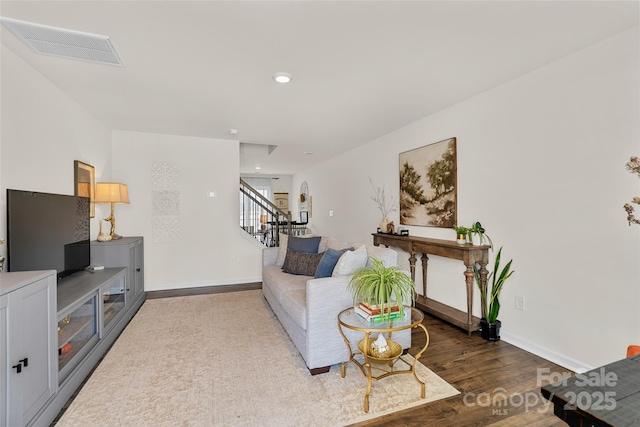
[301, 263]
[304, 244]
[351, 261]
[288, 290]
[283, 239]
[294, 302]
[334, 243]
[388, 256]
[284, 244]
[328, 262]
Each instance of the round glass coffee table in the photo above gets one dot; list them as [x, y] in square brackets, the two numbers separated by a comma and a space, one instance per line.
[388, 359]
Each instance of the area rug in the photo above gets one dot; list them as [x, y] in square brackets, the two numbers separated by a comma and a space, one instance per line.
[225, 360]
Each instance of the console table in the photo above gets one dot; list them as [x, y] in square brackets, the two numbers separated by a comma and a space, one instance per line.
[467, 253]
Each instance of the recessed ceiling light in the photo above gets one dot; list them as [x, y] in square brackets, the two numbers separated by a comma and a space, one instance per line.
[308, 153]
[257, 168]
[282, 77]
[233, 131]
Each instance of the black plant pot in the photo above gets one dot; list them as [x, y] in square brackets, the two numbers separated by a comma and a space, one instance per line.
[490, 331]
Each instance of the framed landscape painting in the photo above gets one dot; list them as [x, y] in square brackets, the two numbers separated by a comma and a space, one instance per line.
[428, 191]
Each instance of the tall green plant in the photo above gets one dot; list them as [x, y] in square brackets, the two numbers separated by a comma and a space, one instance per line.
[379, 285]
[490, 297]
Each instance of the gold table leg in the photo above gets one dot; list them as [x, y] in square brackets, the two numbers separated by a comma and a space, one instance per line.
[366, 366]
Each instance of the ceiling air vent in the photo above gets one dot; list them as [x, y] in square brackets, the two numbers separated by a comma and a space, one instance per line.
[60, 42]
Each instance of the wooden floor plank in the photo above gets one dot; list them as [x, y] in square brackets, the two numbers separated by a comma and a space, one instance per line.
[498, 383]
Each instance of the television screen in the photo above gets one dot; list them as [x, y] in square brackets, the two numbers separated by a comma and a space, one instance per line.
[47, 232]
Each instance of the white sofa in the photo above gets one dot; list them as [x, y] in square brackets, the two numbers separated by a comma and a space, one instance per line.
[308, 307]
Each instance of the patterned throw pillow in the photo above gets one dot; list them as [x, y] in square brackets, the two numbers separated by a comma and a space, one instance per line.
[301, 263]
[284, 244]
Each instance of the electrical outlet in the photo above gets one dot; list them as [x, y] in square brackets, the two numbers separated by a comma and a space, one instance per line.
[330, 213]
[520, 302]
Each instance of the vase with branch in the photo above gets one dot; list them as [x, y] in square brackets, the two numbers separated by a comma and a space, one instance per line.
[385, 207]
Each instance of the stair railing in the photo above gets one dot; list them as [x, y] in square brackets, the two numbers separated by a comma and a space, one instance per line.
[260, 217]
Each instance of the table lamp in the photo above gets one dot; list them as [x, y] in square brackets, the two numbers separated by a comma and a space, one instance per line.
[112, 192]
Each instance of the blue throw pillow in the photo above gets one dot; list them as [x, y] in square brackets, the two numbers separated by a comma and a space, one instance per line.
[304, 244]
[328, 262]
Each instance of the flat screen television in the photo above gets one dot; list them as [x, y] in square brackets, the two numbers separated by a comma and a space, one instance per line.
[47, 232]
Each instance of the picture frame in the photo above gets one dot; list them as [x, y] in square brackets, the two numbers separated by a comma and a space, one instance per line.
[428, 185]
[281, 200]
[306, 206]
[84, 183]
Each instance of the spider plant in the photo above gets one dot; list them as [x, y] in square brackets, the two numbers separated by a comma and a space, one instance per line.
[490, 296]
[478, 229]
[382, 286]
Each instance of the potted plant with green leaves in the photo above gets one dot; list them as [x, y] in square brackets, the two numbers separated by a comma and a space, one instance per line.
[383, 287]
[461, 234]
[477, 234]
[490, 297]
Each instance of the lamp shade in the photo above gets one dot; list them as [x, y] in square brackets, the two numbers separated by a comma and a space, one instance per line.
[111, 192]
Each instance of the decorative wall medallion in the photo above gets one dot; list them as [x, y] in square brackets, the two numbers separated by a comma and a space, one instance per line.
[165, 202]
[166, 229]
[165, 174]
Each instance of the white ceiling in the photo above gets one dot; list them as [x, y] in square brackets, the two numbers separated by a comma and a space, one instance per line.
[361, 69]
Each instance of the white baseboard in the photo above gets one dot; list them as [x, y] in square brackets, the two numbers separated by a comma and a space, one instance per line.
[557, 358]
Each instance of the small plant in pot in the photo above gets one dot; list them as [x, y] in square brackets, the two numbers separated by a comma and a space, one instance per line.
[477, 235]
[490, 298]
[461, 234]
[382, 286]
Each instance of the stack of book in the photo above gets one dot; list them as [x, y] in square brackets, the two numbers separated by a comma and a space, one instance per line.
[373, 313]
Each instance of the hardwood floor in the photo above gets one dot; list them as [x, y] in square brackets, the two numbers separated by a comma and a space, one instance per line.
[498, 383]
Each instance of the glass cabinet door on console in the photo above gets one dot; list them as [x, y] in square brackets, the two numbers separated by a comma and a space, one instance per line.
[113, 304]
[77, 333]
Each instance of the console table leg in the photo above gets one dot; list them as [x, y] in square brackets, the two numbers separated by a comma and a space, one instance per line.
[425, 260]
[483, 282]
[469, 276]
[412, 264]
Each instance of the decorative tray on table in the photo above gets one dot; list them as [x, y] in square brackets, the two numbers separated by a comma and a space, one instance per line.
[394, 351]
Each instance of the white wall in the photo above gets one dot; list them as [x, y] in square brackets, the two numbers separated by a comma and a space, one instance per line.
[210, 249]
[43, 131]
[541, 165]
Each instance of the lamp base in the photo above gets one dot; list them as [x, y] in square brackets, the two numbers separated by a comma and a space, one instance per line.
[115, 236]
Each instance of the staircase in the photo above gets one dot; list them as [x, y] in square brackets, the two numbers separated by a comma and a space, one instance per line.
[260, 218]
